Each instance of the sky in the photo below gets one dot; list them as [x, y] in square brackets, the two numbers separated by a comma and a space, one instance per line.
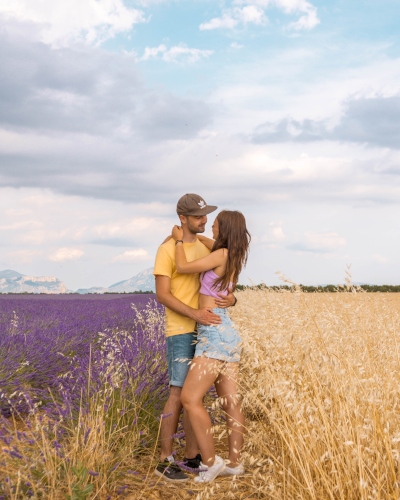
[287, 110]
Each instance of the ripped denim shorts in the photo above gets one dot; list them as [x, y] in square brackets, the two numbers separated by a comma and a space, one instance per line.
[219, 342]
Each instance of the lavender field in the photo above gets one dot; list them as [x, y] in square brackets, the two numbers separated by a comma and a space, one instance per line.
[47, 343]
[87, 368]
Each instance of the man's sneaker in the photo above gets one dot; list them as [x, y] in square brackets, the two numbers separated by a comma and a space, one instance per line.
[171, 472]
[192, 463]
[208, 474]
[233, 471]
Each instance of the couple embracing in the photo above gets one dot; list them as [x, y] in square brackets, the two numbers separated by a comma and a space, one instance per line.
[195, 277]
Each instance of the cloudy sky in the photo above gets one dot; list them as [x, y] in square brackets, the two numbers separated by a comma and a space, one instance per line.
[288, 110]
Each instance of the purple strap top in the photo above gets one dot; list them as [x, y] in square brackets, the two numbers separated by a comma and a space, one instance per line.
[207, 285]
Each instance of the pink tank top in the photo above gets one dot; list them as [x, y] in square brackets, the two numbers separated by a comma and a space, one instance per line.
[207, 285]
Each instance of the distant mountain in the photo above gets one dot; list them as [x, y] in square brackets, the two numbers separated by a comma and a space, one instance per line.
[14, 282]
[143, 281]
[93, 289]
[10, 274]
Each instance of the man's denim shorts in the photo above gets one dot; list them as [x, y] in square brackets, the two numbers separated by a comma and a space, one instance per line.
[219, 342]
[180, 351]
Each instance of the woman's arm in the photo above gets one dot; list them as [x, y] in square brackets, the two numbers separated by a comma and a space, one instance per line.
[208, 242]
[212, 261]
[166, 239]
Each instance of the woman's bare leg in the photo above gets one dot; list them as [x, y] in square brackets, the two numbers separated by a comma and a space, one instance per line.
[226, 386]
[201, 376]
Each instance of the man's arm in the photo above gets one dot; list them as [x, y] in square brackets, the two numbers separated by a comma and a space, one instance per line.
[204, 316]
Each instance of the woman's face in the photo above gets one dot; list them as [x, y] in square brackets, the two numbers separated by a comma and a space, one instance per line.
[215, 229]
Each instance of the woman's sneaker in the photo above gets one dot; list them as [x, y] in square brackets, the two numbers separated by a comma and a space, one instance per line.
[192, 463]
[233, 471]
[171, 472]
[208, 474]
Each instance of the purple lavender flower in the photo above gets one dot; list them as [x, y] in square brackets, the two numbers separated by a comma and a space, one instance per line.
[62, 342]
[62, 339]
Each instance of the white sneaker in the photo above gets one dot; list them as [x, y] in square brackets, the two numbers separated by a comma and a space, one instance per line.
[208, 474]
[233, 471]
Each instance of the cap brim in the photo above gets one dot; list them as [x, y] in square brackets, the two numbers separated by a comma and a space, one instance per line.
[205, 211]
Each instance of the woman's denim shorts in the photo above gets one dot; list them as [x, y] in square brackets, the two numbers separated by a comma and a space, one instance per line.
[220, 341]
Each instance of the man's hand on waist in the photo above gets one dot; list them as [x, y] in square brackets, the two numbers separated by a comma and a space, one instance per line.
[205, 316]
[225, 300]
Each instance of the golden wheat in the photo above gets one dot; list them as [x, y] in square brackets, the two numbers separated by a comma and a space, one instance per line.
[320, 385]
[320, 382]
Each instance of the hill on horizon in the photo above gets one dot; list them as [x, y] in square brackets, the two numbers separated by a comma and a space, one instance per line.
[8, 273]
[14, 282]
[143, 281]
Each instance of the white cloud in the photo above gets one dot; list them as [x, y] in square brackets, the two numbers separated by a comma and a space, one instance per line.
[22, 256]
[65, 254]
[236, 45]
[191, 55]
[379, 258]
[122, 228]
[225, 21]
[137, 255]
[178, 53]
[28, 224]
[39, 200]
[278, 233]
[61, 22]
[150, 52]
[307, 21]
[324, 242]
[251, 14]
[18, 213]
[231, 18]
[274, 235]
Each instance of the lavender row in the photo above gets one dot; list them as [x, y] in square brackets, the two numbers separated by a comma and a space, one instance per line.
[55, 353]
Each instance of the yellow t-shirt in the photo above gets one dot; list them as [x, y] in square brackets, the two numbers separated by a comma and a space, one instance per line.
[185, 287]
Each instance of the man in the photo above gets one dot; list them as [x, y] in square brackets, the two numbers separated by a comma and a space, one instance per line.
[179, 293]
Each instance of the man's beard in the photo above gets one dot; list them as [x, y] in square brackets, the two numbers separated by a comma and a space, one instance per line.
[195, 229]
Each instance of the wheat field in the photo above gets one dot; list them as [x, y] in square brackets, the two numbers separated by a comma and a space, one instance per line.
[320, 385]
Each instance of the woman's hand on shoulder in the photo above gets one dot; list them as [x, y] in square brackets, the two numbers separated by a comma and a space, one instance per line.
[177, 233]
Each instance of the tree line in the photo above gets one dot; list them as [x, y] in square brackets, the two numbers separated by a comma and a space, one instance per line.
[326, 288]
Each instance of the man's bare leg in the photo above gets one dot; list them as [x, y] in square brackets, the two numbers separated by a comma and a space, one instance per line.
[169, 426]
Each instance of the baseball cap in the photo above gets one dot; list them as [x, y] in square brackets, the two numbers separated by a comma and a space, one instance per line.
[193, 204]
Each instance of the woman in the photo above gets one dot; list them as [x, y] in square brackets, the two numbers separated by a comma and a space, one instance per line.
[217, 349]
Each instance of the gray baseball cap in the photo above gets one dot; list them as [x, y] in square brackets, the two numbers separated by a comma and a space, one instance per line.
[193, 204]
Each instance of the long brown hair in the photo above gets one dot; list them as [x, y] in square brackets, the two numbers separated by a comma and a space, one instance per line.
[233, 236]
